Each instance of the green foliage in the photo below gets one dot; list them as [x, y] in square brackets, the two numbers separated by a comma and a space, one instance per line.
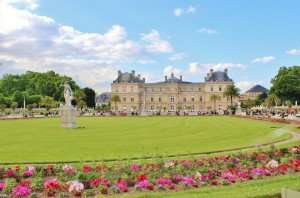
[89, 98]
[248, 104]
[286, 84]
[10, 184]
[261, 98]
[231, 91]
[34, 86]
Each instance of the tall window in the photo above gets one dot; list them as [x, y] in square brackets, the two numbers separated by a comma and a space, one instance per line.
[124, 99]
[211, 88]
[152, 99]
[132, 99]
[172, 107]
[159, 99]
[193, 99]
[172, 99]
[184, 99]
[201, 99]
[220, 88]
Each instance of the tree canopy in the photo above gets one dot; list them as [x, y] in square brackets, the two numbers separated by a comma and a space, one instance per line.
[38, 88]
[286, 84]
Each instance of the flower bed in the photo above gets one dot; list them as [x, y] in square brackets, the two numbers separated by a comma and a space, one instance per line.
[70, 180]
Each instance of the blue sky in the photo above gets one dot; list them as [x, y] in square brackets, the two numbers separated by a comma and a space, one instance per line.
[91, 40]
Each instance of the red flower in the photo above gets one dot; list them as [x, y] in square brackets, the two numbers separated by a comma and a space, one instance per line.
[142, 177]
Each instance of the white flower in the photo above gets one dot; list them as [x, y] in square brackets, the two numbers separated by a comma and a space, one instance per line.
[272, 164]
[169, 164]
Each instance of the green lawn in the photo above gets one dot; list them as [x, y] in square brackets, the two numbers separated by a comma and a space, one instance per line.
[267, 188]
[120, 137]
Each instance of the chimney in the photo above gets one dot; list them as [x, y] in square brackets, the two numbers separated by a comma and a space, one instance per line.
[166, 78]
[133, 72]
[172, 75]
[211, 70]
[144, 79]
[119, 73]
[226, 70]
[139, 76]
[180, 77]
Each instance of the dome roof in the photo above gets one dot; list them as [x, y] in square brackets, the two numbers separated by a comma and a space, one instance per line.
[258, 89]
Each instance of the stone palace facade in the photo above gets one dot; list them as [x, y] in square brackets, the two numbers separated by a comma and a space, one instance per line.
[171, 95]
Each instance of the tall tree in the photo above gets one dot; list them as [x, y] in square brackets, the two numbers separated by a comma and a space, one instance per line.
[90, 95]
[286, 84]
[115, 99]
[231, 91]
[214, 98]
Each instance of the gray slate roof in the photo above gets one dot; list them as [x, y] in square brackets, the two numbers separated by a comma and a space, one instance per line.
[127, 77]
[257, 88]
[218, 76]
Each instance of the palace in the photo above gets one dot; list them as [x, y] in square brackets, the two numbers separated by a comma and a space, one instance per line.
[171, 95]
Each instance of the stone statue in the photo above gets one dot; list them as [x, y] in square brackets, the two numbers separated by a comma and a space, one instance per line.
[67, 111]
[68, 94]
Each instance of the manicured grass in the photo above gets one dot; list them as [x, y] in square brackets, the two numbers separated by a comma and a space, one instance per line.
[120, 137]
[267, 188]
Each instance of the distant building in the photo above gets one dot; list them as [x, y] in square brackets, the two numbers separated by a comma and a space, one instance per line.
[171, 95]
[103, 98]
[253, 92]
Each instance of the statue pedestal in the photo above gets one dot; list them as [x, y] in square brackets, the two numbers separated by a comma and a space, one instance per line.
[68, 117]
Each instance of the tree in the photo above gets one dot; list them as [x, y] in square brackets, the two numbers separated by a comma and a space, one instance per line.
[261, 98]
[231, 91]
[48, 102]
[89, 99]
[248, 104]
[115, 99]
[214, 98]
[272, 100]
[286, 84]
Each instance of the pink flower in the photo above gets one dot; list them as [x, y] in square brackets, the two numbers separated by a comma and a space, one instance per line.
[52, 184]
[188, 181]
[68, 169]
[10, 173]
[87, 168]
[259, 171]
[75, 187]
[122, 186]
[163, 182]
[21, 191]
[28, 173]
[272, 164]
[99, 181]
[243, 175]
[135, 167]
[229, 176]
[2, 185]
[144, 184]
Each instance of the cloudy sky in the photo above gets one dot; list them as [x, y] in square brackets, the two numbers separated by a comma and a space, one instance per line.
[91, 40]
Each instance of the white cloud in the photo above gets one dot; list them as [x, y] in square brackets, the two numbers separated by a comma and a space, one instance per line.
[266, 59]
[207, 31]
[32, 42]
[191, 9]
[27, 4]
[177, 56]
[155, 43]
[246, 85]
[295, 52]
[168, 70]
[178, 12]
[196, 68]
